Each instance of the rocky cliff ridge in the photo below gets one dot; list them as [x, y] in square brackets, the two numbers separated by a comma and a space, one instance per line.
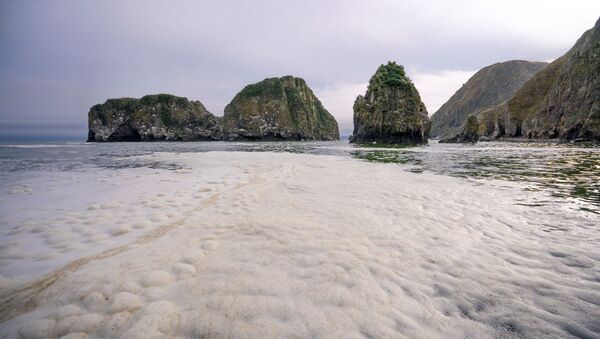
[489, 87]
[561, 101]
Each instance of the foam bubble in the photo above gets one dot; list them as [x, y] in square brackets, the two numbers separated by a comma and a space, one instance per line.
[184, 269]
[42, 328]
[125, 301]
[156, 278]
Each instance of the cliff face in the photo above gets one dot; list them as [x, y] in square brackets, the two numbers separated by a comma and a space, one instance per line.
[278, 109]
[561, 101]
[151, 118]
[468, 132]
[489, 87]
[391, 111]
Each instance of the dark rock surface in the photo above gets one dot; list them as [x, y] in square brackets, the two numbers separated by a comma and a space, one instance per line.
[278, 109]
[391, 112]
[468, 132]
[152, 118]
[562, 101]
[488, 88]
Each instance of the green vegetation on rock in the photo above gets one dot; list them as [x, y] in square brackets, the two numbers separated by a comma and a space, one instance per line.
[151, 118]
[468, 132]
[489, 87]
[278, 109]
[563, 100]
[391, 112]
[560, 101]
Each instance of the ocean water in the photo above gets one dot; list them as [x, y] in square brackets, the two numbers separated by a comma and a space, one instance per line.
[290, 239]
[566, 171]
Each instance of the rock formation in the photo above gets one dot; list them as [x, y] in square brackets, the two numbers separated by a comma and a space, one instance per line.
[561, 101]
[489, 87]
[468, 132]
[391, 112]
[278, 109]
[151, 118]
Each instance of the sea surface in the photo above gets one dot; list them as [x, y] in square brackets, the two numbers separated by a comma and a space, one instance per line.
[299, 239]
[569, 173]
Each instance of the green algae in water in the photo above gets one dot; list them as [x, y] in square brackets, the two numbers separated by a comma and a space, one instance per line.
[371, 145]
[564, 170]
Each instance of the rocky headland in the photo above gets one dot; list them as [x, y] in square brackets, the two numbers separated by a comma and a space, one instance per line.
[562, 101]
[489, 87]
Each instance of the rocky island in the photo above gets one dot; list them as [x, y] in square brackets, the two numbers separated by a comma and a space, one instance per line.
[489, 87]
[161, 117]
[391, 112]
[278, 109]
[273, 109]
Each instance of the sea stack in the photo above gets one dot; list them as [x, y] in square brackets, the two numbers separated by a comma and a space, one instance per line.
[491, 86]
[161, 117]
[278, 109]
[391, 112]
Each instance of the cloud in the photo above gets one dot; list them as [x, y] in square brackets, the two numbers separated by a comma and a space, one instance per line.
[59, 58]
[437, 87]
[338, 100]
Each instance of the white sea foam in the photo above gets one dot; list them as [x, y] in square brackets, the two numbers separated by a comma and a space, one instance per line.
[88, 213]
[290, 245]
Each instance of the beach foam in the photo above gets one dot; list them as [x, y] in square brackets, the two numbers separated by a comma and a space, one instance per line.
[53, 218]
[290, 245]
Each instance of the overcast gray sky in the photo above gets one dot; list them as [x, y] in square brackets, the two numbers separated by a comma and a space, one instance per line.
[58, 58]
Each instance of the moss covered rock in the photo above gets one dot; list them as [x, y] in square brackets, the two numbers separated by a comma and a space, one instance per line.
[278, 109]
[561, 101]
[151, 118]
[468, 132]
[391, 112]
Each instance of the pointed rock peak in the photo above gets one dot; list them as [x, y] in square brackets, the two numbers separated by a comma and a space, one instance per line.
[391, 111]
[392, 75]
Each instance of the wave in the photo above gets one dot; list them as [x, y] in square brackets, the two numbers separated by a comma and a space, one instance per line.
[42, 145]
